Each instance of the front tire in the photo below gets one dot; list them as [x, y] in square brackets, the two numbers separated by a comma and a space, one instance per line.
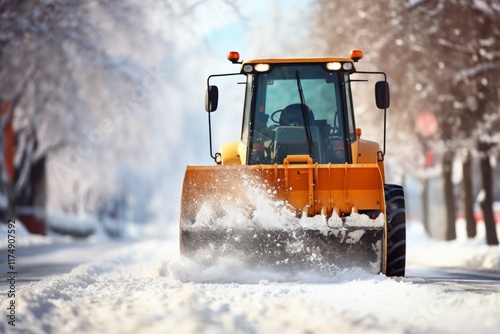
[396, 230]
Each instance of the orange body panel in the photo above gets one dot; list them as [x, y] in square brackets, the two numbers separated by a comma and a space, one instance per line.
[312, 188]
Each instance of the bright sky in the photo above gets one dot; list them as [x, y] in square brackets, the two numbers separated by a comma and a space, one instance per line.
[258, 21]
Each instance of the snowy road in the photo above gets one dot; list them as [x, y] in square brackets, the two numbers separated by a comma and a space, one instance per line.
[146, 288]
[44, 261]
[470, 279]
[39, 262]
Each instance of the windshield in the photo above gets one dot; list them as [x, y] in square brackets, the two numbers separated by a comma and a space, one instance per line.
[297, 109]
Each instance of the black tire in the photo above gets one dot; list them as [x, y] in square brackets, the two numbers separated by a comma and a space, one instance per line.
[396, 230]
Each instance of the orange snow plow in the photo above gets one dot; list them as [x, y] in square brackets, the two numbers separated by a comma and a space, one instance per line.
[300, 188]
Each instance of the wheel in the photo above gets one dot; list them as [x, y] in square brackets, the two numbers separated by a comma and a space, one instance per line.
[396, 230]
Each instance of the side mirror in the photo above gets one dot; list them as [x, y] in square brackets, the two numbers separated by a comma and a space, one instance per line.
[211, 98]
[382, 96]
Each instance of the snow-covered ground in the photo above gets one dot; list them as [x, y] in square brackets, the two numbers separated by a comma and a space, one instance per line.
[461, 253]
[147, 288]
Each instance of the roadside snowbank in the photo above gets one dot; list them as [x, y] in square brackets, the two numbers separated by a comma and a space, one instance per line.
[460, 253]
[66, 228]
[22, 236]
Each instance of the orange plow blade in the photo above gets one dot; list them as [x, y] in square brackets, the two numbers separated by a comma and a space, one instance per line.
[297, 214]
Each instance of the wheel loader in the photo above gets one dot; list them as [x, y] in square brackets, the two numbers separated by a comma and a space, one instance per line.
[300, 188]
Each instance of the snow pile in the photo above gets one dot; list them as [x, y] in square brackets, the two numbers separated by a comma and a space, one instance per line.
[22, 236]
[251, 206]
[356, 219]
[232, 269]
[65, 228]
[78, 226]
[255, 206]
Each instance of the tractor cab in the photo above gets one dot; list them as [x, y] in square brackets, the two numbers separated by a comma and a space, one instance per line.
[298, 109]
[299, 106]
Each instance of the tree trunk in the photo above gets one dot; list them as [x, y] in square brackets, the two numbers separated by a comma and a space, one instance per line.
[7, 143]
[449, 196]
[425, 204]
[9, 194]
[425, 188]
[487, 200]
[467, 197]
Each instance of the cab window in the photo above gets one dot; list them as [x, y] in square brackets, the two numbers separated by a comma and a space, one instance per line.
[288, 101]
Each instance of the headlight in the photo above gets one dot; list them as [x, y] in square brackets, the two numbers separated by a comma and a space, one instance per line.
[334, 66]
[248, 68]
[262, 67]
[347, 66]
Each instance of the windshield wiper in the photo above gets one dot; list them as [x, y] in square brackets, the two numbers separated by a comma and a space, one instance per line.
[305, 115]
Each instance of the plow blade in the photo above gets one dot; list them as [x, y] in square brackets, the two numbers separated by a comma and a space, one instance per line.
[301, 249]
[296, 214]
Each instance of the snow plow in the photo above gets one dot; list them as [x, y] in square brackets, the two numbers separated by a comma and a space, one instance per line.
[300, 188]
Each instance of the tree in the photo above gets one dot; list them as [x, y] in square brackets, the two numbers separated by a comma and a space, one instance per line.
[63, 63]
[441, 58]
[467, 32]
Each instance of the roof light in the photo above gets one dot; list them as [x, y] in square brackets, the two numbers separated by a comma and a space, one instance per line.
[334, 66]
[347, 66]
[356, 55]
[247, 68]
[233, 56]
[262, 67]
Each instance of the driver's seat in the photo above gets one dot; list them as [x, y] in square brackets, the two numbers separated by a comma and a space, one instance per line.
[292, 115]
[290, 136]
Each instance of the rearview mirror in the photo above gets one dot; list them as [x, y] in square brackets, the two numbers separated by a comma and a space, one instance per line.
[382, 96]
[211, 98]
